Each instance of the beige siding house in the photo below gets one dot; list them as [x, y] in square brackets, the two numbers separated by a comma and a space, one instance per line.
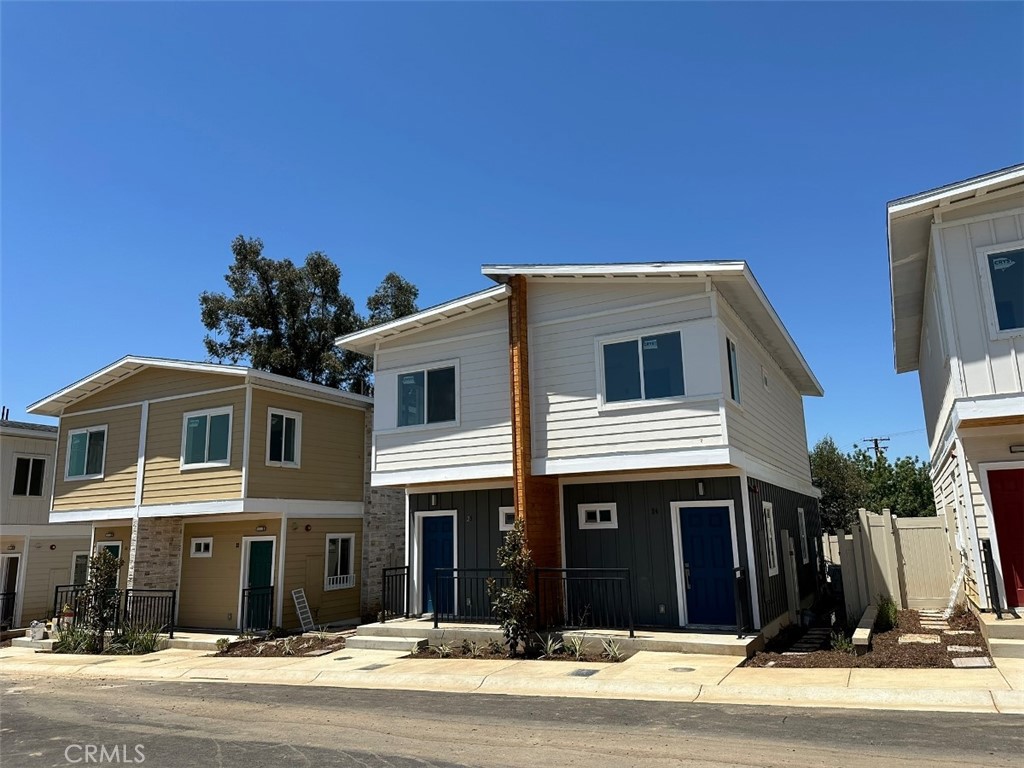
[956, 257]
[229, 485]
[35, 556]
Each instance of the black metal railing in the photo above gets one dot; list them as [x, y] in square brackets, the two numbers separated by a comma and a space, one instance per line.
[257, 608]
[150, 608]
[463, 594]
[740, 592]
[394, 593]
[71, 603]
[7, 609]
[990, 578]
[584, 598]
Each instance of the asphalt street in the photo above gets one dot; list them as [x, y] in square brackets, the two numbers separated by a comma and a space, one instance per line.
[50, 722]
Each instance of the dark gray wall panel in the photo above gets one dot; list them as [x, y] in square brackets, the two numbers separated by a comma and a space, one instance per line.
[476, 521]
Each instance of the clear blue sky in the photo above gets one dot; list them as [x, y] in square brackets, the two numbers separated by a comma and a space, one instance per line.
[138, 139]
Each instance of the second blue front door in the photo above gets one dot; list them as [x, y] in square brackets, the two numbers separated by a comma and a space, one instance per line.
[438, 552]
[707, 565]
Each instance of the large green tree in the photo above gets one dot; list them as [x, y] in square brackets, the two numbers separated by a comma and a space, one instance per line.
[849, 481]
[283, 317]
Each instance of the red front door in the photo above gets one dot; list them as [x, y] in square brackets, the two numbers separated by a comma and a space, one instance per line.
[1007, 488]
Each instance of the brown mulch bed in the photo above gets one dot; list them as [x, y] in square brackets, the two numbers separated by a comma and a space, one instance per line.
[886, 650]
[285, 646]
[467, 651]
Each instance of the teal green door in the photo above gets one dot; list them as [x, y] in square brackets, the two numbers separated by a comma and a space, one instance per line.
[258, 601]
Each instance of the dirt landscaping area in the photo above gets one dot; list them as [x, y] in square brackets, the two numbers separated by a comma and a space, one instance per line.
[495, 650]
[296, 645]
[887, 651]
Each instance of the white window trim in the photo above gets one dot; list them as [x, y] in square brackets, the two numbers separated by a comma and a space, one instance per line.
[424, 369]
[770, 534]
[732, 362]
[348, 580]
[642, 402]
[103, 461]
[74, 556]
[209, 413]
[986, 283]
[14, 468]
[582, 510]
[298, 438]
[200, 540]
[801, 520]
[502, 511]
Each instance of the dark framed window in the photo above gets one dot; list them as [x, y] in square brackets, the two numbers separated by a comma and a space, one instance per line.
[427, 397]
[643, 368]
[28, 476]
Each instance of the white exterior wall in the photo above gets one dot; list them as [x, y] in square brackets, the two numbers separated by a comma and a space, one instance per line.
[25, 510]
[990, 366]
[935, 370]
[768, 424]
[482, 437]
[567, 321]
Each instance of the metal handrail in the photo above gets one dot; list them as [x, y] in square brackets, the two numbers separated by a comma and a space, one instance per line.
[394, 586]
[468, 592]
[595, 598]
[264, 597]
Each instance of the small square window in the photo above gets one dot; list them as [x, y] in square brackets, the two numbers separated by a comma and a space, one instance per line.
[202, 547]
[598, 516]
[506, 518]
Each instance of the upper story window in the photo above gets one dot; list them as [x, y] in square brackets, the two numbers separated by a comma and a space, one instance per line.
[206, 438]
[1003, 271]
[284, 437]
[28, 475]
[427, 396]
[86, 452]
[734, 370]
[643, 367]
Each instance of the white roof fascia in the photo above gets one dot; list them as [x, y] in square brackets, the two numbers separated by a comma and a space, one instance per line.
[35, 434]
[449, 309]
[276, 378]
[667, 268]
[914, 203]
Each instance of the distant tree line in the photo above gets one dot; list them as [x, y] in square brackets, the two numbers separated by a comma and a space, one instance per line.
[282, 317]
[849, 481]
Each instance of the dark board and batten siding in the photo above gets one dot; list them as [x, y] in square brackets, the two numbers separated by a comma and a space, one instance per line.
[772, 589]
[476, 521]
[643, 540]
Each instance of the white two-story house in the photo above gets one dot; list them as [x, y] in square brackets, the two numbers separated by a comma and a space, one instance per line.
[646, 418]
[956, 257]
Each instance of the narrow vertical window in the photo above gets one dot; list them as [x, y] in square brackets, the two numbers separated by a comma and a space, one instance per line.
[734, 370]
[771, 551]
[805, 554]
[284, 436]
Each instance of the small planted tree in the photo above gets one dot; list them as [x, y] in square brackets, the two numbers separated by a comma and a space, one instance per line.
[512, 602]
[102, 597]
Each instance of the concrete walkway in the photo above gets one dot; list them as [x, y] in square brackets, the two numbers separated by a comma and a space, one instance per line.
[645, 676]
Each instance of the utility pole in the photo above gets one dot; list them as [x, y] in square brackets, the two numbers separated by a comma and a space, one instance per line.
[877, 445]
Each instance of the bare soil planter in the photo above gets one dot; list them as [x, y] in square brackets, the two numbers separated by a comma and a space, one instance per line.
[459, 652]
[886, 650]
[285, 646]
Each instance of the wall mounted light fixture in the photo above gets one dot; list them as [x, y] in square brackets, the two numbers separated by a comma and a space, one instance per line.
[1017, 449]
[260, 528]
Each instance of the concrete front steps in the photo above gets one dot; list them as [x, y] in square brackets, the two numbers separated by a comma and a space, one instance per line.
[1005, 637]
[404, 632]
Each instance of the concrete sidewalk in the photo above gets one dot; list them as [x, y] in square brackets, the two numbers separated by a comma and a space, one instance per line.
[644, 676]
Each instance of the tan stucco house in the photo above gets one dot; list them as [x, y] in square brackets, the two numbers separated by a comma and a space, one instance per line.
[35, 556]
[230, 485]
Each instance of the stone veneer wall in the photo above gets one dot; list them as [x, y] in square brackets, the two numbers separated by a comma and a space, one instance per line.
[154, 561]
[383, 530]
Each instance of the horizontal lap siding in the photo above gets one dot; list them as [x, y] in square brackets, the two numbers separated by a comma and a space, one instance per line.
[165, 482]
[476, 521]
[25, 510]
[772, 589]
[643, 541]
[209, 589]
[331, 451]
[123, 534]
[948, 493]
[117, 486]
[484, 432]
[769, 425]
[304, 567]
[152, 383]
[564, 370]
[46, 570]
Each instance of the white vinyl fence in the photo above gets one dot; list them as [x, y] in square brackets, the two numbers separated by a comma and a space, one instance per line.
[905, 558]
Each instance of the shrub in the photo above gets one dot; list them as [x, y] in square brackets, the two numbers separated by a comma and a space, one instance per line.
[73, 638]
[550, 645]
[576, 645]
[512, 602]
[888, 613]
[288, 646]
[841, 643]
[612, 650]
[135, 639]
[223, 644]
[444, 650]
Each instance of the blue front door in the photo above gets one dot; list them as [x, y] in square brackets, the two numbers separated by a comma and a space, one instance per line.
[707, 566]
[438, 552]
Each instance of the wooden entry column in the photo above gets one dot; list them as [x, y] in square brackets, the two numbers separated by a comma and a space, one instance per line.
[536, 497]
